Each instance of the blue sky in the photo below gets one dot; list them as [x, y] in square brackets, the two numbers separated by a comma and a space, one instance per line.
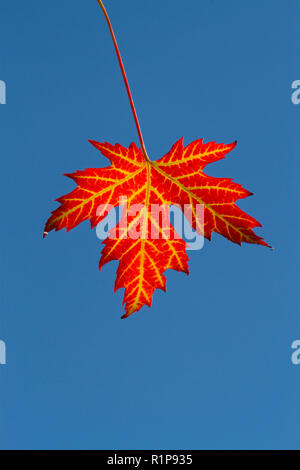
[208, 366]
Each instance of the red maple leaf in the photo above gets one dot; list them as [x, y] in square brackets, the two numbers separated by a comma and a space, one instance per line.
[144, 242]
[175, 179]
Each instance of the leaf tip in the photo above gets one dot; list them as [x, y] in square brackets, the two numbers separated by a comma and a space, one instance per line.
[95, 143]
[126, 315]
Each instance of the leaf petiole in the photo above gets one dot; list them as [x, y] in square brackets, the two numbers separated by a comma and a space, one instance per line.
[125, 80]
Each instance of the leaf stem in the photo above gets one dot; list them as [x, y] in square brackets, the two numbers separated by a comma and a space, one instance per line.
[125, 80]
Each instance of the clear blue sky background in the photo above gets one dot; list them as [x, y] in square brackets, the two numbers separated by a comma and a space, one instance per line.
[209, 365]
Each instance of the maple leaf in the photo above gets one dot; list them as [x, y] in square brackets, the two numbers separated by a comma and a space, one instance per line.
[143, 241]
[176, 179]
